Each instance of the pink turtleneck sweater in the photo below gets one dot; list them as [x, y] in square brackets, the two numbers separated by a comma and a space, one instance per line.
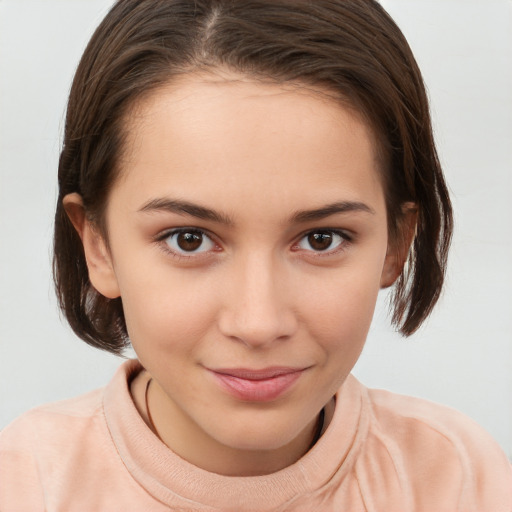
[381, 452]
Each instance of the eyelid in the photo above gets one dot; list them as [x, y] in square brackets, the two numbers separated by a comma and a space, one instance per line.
[347, 237]
[161, 238]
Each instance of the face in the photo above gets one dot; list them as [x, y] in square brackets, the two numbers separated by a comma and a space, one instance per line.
[248, 241]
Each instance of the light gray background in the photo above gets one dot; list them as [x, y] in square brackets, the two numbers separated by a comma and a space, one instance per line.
[462, 357]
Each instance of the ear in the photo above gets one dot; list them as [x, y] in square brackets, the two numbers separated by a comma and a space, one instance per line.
[398, 250]
[97, 254]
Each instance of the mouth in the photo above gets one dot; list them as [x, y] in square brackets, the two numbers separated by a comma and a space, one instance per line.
[262, 385]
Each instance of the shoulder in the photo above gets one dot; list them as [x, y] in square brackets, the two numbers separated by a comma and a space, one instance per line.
[53, 417]
[411, 414]
[65, 418]
[441, 451]
[37, 446]
[59, 456]
[50, 426]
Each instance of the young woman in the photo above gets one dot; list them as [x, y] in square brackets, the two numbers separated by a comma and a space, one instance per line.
[238, 181]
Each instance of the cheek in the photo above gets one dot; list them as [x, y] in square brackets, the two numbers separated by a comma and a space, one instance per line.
[166, 310]
[340, 310]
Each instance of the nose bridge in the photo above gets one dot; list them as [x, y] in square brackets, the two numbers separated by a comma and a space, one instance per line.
[258, 310]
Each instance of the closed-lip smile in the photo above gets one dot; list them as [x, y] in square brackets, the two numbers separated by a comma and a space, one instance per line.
[257, 385]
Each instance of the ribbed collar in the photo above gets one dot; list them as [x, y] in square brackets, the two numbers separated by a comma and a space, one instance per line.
[175, 482]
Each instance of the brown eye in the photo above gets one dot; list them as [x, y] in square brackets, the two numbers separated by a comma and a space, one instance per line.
[321, 241]
[186, 241]
[189, 241]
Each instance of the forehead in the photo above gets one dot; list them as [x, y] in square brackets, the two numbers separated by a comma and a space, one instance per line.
[239, 136]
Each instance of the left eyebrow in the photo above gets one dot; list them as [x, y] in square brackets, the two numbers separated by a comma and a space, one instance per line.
[331, 209]
[185, 208]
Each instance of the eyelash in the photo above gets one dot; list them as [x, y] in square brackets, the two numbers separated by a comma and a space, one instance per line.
[163, 237]
[346, 240]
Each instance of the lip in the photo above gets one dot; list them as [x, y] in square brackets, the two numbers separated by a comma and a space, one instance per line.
[262, 385]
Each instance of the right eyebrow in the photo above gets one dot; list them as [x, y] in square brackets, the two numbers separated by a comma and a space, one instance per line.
[185, 208]
[331, 209]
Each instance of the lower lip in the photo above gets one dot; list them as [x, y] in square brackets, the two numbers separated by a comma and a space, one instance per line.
[264, 390]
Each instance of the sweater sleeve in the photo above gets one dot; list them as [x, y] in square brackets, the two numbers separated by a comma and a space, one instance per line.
[488, 484]
[449, 462]
[20, 484]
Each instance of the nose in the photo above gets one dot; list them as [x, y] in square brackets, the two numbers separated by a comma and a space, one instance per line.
[257, 308]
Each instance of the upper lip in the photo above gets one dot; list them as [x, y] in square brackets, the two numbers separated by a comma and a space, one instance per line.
[264, 373]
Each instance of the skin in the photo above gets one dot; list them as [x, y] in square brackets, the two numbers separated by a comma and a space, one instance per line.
[257, 292]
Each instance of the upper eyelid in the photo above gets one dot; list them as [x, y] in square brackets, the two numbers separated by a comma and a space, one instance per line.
[180, 229]
[344, 233]
[166, 233]
[347, 240]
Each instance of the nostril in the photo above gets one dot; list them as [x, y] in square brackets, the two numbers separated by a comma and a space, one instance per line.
[257, 328]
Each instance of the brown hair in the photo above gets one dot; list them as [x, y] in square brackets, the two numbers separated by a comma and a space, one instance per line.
[351, 47]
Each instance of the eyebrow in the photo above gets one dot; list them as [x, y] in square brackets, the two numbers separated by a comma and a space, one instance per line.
[201, 212]
[331, 209]
[184, 207]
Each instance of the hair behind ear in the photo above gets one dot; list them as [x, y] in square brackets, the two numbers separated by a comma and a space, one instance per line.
[400, 245]
[419, 286]
[93, 317]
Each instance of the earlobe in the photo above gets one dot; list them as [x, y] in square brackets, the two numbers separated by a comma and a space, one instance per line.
[398, 250]
[393, 266]
[97, 255]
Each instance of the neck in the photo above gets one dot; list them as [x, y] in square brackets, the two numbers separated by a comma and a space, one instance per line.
[183, 436]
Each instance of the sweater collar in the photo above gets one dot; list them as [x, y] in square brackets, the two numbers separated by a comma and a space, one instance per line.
[175, 482]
